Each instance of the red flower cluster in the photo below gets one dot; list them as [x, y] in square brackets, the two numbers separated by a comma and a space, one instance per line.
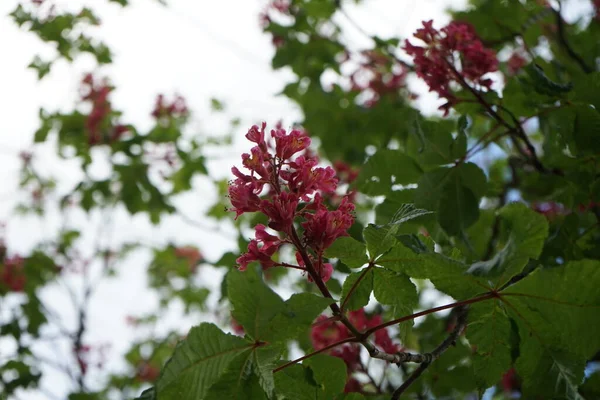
[596, 4]
[515, 63]
[191, 254]
[453, 54]
[174, 109]
[98, 120]
[377, 76]
[147, 372]
[283, 168]
[12, 275]
[326, 332]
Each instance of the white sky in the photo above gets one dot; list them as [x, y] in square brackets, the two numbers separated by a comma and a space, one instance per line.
[199, 49]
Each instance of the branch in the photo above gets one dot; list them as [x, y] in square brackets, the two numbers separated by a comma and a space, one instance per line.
[331, 346]
[435, 354]
[562, 40]
[472, 300]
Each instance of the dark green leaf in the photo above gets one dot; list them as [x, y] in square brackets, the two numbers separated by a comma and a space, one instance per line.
[254, 303]
[198, 362]
[362, 290]
[349, 250]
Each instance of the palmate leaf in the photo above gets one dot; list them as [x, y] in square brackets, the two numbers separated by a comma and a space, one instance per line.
[254, 303]
[453, 193]
[249, 376]
[489, 330]
[362, 290]
[396, 290]
[448, 275]
[264, 315]
[349, 250]
[198, 362]
[379, 240]
[556, 310]
[527, 232]
[385, 169]
[321, 377]
[298, 314]
[561, 306]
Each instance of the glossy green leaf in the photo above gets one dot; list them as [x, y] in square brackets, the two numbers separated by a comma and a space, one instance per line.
[359, 297]
[296, 317]
[254, 303]
[349, 250]
[198, 362]
[489, 331]
[527, 231]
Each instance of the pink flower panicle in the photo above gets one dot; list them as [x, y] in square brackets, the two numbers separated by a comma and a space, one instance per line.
[376, 76]
[12, 274]
[515, 63]
[283, 170]
[99, 122]
[450, 55]
[177, 108]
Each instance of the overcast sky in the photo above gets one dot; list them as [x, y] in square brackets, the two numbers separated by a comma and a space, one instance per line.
[199, 49]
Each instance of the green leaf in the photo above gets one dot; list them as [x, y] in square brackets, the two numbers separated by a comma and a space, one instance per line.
[527, 232]
[296, 382]
[250, 375]
[395, 289]
[587, 130]
[591, 387]
[587, 89]
[448, 275]
[254, 303]
[349, 250]
[560, 306]
[458, 209]
[237, 382]
[379, 240]
[489, 330]
[298, 314]
[547, 373]
[362, 291]
[544, 85]
[148, 394]
[198, 362]
[454, 194]
[329, 373]
[407, 212]
[385, 169]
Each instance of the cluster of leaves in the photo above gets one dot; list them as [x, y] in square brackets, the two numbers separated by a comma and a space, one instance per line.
[512, 238]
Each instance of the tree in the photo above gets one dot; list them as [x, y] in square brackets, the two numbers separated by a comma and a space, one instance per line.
[384, 211]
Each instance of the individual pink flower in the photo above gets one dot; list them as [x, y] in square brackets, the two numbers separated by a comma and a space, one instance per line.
[286, 145]
[281, 211]
[243, 197]
[262, 254]
[323, 227]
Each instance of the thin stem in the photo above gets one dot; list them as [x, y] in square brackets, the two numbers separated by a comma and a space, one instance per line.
[477, 299]
[562, 40]
[435, 354]
[331, 346]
